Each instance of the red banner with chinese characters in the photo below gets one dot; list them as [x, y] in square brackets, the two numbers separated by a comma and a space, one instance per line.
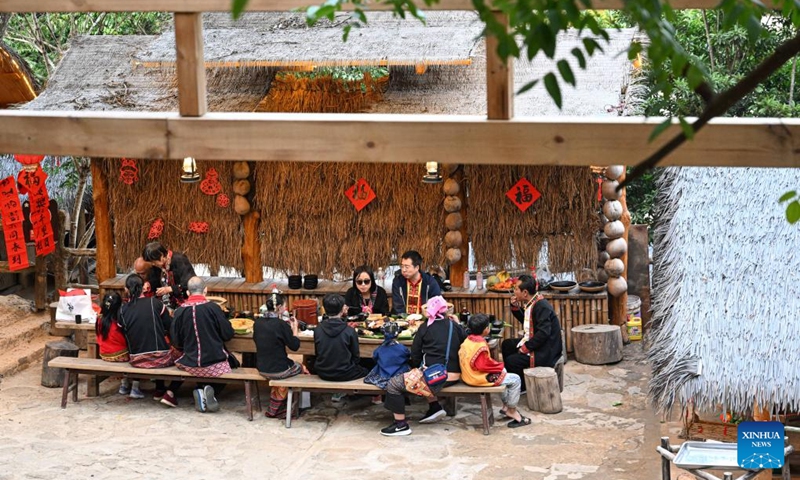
[360, 194]
[523, 194]
[11, 211]
[33, 182]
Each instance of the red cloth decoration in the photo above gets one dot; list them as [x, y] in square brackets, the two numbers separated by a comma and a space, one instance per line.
[11, 210]
[34, 184]
[210, 185]
[223, 200]
[523, 194]
[198, 227]
[156, 229]
[360, 194]
[129, 171]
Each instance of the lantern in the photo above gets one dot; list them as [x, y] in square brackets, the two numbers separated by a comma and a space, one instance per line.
[29, 162]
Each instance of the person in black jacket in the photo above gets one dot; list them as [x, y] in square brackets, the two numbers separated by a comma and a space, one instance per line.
[429, 348]
[200, 330]
[365, 295]
[336, 344]
[540, 345]
[170, 273]
[145, 321]
[412, 288]
[273, 335]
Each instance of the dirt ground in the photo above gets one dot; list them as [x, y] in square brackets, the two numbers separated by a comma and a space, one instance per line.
[606, 431]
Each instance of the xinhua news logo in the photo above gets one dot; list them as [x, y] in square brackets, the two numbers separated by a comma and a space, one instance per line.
[760, 445]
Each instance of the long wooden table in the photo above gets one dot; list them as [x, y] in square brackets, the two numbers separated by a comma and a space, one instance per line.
[573, 308]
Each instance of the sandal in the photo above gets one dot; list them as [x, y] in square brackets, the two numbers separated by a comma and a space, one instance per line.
[503, 414]
[519, 423]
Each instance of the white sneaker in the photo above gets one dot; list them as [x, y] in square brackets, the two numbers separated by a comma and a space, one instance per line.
[199, 400]
[124, 389]
[136, 393]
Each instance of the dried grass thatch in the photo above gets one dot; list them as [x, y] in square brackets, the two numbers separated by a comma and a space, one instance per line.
[565, 217]
[159, 194]
[726, 291]
[291, 93]
[311, 227]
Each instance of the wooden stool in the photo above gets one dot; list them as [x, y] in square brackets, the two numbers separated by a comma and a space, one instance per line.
[543, 391]
[596, 344]
[54, 377]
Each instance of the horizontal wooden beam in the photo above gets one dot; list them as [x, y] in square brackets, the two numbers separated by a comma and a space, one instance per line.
[81, 252]
[379, 138]
[22, 6]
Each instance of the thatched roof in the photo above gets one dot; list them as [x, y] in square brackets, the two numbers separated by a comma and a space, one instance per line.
[280, 40]
[16, 80]
[726, 291]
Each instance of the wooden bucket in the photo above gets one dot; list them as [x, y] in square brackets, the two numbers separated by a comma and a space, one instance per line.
[305, 311]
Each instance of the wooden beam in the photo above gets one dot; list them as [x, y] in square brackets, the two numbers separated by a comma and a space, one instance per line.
[251, 250]
[499, 79]
[457, 269]
[380, 138]
[190, 69]
[23, 6]
[106, 262]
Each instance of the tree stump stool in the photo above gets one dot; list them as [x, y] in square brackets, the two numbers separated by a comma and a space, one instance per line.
[543, 390]
[596, 344]
[54, 377]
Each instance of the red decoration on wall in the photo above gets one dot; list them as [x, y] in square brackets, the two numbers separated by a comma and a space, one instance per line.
[523, 194]
[156, 229]
[360, 194]
[129, 171]
[198, 227]
[223, 200]
[34, 184]
[11, 210]
[29, 162]
[210, 185]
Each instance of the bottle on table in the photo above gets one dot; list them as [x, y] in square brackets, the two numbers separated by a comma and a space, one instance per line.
[463, 317]
[466, 279]
[479, 280]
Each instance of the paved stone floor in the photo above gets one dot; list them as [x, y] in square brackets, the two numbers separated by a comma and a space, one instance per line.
[606, 431]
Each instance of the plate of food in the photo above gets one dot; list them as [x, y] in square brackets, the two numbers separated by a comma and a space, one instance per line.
[242, 326]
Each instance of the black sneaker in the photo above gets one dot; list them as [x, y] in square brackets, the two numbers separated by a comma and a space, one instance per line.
[433, 415]
[395, 430]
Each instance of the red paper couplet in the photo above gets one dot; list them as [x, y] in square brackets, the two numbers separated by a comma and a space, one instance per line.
[11, 210]
[360, 194]
[34, 182]
[523, 194]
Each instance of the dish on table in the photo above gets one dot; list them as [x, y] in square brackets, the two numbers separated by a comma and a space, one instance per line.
[563, 285]
[592, 286]
[242, 326]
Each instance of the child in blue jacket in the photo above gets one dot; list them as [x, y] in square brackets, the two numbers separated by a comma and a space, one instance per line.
[391, 358]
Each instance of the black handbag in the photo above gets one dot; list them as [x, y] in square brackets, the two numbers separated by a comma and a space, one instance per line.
[233, 361]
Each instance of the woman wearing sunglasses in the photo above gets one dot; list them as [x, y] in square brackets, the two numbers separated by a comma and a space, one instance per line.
[365, 296]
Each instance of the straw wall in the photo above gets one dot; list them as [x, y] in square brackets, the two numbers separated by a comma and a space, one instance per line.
[160, 194]
[294, 93]
[565, 216]
[310, 226]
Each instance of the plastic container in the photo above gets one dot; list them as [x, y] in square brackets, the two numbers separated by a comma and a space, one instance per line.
[634, 307]
[306, 311]
[634, 329]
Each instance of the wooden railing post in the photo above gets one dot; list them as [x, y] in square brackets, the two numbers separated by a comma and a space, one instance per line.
[191, 68]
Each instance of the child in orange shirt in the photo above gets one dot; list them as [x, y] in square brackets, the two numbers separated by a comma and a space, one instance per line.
[479, 369]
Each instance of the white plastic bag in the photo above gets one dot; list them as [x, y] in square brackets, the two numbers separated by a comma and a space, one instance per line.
[69, 306]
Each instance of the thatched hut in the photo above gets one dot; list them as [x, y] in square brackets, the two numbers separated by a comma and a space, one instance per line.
[17, 84]
[438, 68]
[726, 291]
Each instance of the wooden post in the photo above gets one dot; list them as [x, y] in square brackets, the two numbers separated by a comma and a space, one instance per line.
[620, 307]
[40, 284]
[191, 67]
[499, 79]
[106, 262]
[60, 259]
[665, 462]
[457, 269]
[251, 250]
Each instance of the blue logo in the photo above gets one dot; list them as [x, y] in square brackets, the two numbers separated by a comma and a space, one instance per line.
[760, 445]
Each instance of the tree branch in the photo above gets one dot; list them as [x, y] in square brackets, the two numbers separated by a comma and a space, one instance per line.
[722, 102]
[5, 18]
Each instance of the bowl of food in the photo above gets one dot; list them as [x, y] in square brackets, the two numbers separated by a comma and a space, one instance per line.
[563, 285]
[592, 286]
[242, 326]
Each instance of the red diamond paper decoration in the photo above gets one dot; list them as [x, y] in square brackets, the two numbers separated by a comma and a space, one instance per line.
[360, 194]
[523, 194]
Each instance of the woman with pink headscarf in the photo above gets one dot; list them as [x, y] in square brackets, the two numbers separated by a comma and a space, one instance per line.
[429, 348]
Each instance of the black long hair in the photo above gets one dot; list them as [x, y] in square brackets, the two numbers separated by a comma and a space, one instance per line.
[274, 301]
[365, 269]
[134, 285]
[109, 310]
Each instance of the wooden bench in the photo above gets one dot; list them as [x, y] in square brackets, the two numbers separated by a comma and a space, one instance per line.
[315, 384]
[91, 366]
